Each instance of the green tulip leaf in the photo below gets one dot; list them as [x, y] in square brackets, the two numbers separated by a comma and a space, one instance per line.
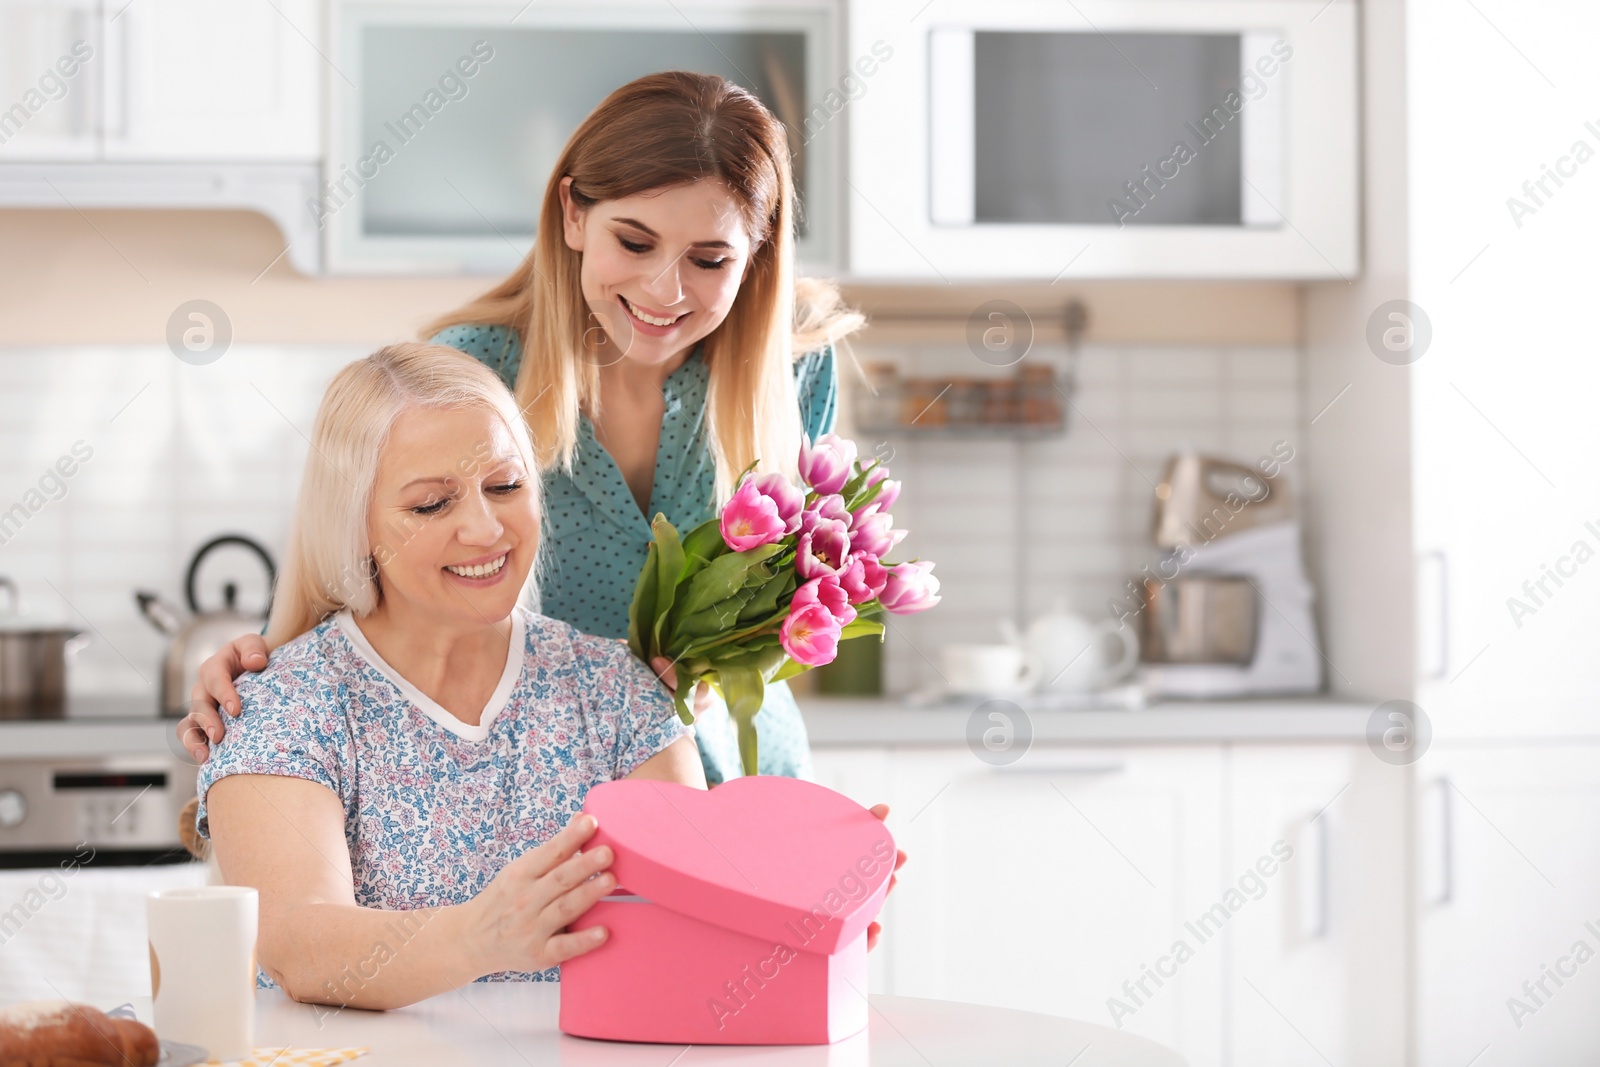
[860, 627]
[703, 544]
[788, 670]
[743, 688]
[642, 611]
[765, 601]
[669, 564]
[723, 577]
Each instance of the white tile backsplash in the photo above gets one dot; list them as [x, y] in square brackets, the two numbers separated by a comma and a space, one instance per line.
[183, 453]
[1084, 500]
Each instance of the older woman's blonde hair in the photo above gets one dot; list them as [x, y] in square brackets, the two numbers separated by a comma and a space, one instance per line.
[330, 563]
[659, 131]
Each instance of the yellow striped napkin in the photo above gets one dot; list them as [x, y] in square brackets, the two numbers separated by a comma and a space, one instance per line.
[292, 1057]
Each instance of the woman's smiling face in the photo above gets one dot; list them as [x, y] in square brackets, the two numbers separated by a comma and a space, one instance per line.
[454, 522]
[660, 269]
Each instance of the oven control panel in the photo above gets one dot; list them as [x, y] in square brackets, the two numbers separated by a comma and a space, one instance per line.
[109, 803]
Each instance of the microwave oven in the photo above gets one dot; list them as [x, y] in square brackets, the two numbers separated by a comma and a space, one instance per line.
[1108, 138]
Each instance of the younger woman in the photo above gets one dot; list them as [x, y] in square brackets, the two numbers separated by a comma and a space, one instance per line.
[659, 344]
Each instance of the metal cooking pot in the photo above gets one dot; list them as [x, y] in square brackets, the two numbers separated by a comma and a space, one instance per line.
[33, 663]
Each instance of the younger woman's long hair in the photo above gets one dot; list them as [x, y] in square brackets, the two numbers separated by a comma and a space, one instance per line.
[331, 561]
[655, 132]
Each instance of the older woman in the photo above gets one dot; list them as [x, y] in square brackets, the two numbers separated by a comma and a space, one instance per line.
[406, 809]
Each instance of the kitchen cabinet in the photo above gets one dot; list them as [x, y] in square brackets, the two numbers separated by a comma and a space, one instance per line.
[50, 79]
[1501, 266]
[160, 81]
[1318, 963]
[180, 104]
[1509, 905]
[1063, 882]
[493, 92]
[865, 775]
[1452, 498]
[197, 80]
[1056, 883]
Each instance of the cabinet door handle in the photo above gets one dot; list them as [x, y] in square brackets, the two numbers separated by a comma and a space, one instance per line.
[1085, 770]
[1314, 887]
[83, 24]
[1447, 845]
[1441, 666]
[116, 81]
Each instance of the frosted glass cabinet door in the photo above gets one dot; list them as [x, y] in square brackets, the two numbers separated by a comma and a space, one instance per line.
[50, 73]
[443, 148]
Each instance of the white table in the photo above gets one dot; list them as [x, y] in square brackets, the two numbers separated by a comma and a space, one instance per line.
[514, 1024]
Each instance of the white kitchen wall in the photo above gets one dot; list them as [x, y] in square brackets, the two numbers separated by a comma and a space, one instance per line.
[1084, 500]
[181, 453]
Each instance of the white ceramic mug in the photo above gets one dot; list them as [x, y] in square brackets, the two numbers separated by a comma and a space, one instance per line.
[987, 670]
[203, 967]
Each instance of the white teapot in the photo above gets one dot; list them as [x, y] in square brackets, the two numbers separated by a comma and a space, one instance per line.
[1067, 653]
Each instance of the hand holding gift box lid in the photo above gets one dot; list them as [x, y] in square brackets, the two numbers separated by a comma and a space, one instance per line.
[740, 916]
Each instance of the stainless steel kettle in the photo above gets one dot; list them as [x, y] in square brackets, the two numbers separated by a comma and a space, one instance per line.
[198, 639]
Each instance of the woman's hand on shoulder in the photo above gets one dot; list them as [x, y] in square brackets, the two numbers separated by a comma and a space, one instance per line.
[519, 922]
[214, 689]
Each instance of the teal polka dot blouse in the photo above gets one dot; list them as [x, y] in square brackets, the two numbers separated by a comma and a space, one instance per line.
[596, 538]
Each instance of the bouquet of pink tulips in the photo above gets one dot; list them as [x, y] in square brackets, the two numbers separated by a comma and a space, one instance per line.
[769, 587]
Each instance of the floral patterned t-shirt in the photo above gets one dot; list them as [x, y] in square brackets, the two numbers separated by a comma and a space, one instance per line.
[433, 807]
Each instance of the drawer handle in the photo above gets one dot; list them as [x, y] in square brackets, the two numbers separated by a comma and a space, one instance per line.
[1079, 771]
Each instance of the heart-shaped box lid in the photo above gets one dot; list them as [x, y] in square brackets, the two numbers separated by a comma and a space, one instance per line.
[775, 858]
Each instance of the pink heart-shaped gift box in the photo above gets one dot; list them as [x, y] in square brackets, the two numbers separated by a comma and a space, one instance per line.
[740, 914]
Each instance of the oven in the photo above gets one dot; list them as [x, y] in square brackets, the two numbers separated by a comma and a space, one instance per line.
[96, 810]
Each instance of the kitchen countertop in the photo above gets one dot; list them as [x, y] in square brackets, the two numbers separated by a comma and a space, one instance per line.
[514, 1024]
[837, 721]
[831, 722]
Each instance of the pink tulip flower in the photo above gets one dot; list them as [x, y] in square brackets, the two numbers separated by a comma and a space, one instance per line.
[810, 634]
[828, 507]
[887, 495]
[787, 498]
[830, 594]
[911, 588]
[750, 519]
[871, 532]
[823, 549]
[827, 464]
[890, 491]
[864, 578]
